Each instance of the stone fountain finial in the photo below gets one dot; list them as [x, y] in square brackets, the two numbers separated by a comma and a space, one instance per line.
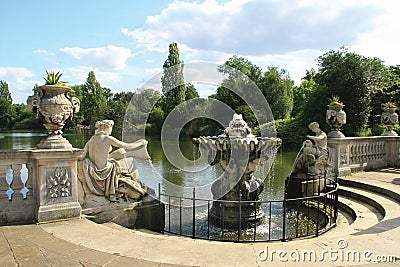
[238, 128]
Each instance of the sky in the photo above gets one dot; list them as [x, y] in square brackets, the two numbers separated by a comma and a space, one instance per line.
[125, 42]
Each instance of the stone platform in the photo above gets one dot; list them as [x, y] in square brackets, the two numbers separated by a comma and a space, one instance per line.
[368, 225]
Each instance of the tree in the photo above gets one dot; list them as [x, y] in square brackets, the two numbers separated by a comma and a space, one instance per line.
[244, 77]
[172, 81]
[352, 77]
[302, 93]
[5, 105]
[191, 92]
[277, 87]
[240, 73]
[94, 100]
[144, 112]
[116, 108]
[23, 118]
[390, 93]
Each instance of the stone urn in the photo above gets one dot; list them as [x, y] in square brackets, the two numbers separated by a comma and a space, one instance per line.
[336, 118]
[389, 119]
[54, 105]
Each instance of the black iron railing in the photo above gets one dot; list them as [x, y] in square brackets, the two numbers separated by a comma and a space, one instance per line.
[283, 219]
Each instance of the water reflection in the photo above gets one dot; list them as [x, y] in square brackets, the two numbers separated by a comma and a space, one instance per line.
[26, 140]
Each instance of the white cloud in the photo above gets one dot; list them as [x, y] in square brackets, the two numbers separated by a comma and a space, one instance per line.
[78, 75]
[383, 41]
[296, 63]
[153, 71]
[109, 57]
[19, 82]
[287, 34]
[43, 52]
[255, 27]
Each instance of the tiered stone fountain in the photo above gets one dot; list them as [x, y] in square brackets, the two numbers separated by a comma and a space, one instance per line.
[239, 153]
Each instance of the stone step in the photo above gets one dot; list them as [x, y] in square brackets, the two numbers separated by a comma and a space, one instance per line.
[387, 207]
[386, 188]
[366, 215]
[363, 197]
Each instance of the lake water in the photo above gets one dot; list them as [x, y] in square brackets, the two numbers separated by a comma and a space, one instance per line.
[172, 179]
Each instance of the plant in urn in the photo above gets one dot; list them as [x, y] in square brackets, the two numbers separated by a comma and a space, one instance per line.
[53, 103]
[389, 118]
[335, 117]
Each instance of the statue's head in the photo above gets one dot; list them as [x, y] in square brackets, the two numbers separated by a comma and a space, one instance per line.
[313, 126]
[104, 127]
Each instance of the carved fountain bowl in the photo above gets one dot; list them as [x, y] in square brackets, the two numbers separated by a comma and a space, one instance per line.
[253, 148]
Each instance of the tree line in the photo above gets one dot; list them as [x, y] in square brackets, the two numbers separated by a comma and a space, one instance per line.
[362, 83]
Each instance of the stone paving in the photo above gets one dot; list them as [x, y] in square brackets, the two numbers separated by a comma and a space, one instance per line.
[81, 242]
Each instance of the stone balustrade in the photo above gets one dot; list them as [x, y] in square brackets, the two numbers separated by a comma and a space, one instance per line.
[352, 154]
[38, 185]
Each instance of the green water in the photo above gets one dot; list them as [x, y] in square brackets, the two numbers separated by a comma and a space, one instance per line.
[23, 139]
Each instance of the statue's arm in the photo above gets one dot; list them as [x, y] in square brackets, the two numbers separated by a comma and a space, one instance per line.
[128, 146]
[85, 151]
[317, 137]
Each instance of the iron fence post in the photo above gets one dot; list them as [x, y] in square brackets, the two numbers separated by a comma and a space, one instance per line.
[194, 213]
[284, 219]
[240, 216]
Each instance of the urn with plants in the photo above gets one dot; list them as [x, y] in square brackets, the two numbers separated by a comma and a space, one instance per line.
[53, 103]
[389, 118]
[335, 117]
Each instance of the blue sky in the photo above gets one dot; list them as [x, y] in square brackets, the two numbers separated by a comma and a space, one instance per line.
[125, 42]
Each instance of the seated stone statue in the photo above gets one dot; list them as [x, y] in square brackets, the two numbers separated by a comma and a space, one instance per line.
[313, 158]
[112, 175]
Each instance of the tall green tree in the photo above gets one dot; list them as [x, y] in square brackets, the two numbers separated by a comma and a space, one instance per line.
[94, 100]
[5, 105]
[172, 81]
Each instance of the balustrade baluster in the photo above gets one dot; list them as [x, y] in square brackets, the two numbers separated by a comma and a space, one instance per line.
[17, 183]
[24, 179]
[9, 180]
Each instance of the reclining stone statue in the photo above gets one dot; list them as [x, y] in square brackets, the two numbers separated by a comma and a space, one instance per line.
[112, 175]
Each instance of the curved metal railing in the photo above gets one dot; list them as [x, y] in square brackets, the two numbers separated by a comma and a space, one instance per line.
[283, 220]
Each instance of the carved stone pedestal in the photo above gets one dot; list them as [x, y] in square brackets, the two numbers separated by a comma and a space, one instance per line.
[55, 176]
